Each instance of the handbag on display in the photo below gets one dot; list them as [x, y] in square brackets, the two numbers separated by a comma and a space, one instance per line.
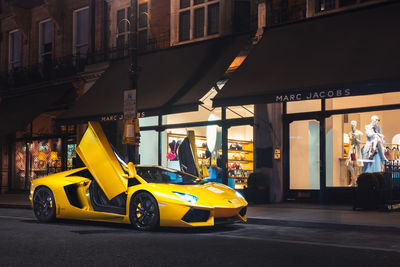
[172, 154]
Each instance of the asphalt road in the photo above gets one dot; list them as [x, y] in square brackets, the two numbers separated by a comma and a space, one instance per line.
[25, 242]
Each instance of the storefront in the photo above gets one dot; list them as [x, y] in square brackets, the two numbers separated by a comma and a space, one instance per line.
[207, 125]
[35, 157]
[175, 88]
[331, 142]
[32, 147]
[334, 79]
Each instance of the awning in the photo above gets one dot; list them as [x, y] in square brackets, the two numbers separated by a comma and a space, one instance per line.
[351, 53]
[170, 81]
[17, 111]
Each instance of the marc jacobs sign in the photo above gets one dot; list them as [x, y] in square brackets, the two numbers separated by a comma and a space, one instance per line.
[313, 95]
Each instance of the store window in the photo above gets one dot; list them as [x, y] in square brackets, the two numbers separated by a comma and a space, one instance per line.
[81, 32]
[240, 152]
[360, 142]
[14, 57]
[197, 19]
[303, 106]
[35, 159]
[363, 101]
[304, 155]
[240, 155]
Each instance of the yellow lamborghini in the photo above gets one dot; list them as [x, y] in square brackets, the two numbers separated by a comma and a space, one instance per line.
[110, 190]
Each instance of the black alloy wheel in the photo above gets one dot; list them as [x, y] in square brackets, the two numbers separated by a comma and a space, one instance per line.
[44, 205]
[144, 212]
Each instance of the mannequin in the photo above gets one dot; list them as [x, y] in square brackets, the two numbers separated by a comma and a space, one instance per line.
[354, 158]
[374, 150]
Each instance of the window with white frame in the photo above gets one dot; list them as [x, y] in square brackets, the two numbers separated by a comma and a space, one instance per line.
[14, 52]
[81, 32]
[198, 19]
[45, 41]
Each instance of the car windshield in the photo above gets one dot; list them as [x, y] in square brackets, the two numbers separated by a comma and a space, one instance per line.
[166, 176]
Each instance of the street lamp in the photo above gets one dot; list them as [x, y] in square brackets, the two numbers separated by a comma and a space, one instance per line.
[131, 131]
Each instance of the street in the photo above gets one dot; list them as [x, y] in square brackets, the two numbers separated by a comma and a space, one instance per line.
[75, 243]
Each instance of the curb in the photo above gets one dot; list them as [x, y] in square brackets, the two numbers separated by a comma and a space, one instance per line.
[335, 226]
[15, 206]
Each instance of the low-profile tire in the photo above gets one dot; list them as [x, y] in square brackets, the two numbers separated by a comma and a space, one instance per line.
[143, 212]
[44, 205]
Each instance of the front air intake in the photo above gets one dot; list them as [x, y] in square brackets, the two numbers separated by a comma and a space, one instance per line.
[196, 215]
[243, 211]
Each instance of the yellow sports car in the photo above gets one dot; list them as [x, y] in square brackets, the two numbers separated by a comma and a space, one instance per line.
[110, 190]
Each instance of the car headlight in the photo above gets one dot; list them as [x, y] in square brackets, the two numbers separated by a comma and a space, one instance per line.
[187, 197]
[238, 194]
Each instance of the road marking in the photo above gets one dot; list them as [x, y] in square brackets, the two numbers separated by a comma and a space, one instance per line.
[313, 243]
[15, 218]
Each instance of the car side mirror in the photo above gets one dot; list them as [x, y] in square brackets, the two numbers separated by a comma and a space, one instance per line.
[131, 170]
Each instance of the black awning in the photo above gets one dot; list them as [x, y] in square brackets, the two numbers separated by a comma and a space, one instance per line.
[170, 81]
[17, 111]
[350, 53]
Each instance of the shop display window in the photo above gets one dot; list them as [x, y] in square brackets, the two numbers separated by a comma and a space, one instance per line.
[360, 142]
[304, 155]
[240, 112]
[303, 106]
[363, 101]
[36, 159]
[240, 154]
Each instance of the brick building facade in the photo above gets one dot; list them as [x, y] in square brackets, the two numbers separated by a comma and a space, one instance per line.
[65, 46]
[50, 45]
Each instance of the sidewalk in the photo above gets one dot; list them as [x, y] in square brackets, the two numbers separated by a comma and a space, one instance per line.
[323, 216]
[287, 214]
[15, 200]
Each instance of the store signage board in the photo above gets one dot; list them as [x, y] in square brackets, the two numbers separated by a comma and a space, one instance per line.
[313, 95]
[130, 104]
[118, 117]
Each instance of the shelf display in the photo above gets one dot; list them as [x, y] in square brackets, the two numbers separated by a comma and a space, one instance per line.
[240, 157]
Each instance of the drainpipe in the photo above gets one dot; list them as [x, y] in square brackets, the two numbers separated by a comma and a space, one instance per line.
[105, 26]
[93, 29]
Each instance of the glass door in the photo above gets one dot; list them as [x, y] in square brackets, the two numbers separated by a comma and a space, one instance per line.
[304, 151]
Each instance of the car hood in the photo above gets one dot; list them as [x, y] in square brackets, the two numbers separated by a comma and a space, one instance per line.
[209, 194]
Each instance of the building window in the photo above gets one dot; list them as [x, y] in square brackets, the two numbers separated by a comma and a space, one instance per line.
[14, 50]
[198, 22]
[123, 27]
[213, 19]
[184, 26]
[81, 32]
[143, 26]
[326, 5]
[198, 19]
[45, 43]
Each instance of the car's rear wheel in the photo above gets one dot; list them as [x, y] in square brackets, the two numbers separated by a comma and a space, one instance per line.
[144, 213]
[44, 205]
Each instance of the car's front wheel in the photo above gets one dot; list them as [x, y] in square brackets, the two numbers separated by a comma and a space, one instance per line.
[144, 213]
[44, 205]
